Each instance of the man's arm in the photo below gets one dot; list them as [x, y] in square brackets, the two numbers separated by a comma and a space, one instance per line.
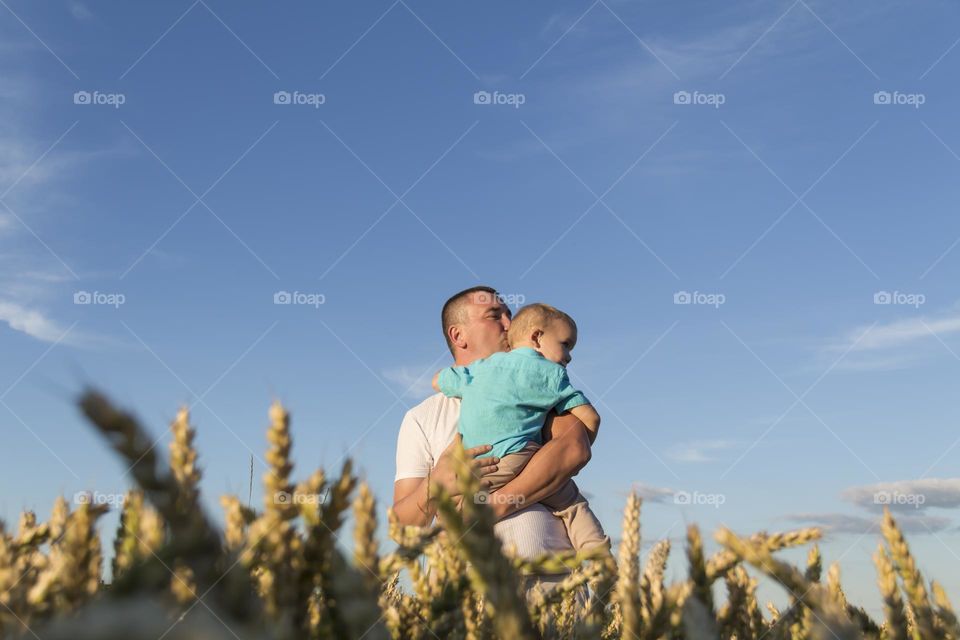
[565, 452]
[412, 501]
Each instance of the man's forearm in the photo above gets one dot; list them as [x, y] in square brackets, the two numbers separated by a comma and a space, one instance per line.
[548, 469]
[413, 501]
[416, 509]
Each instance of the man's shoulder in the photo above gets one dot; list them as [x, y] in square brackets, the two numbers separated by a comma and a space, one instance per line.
[433, 409]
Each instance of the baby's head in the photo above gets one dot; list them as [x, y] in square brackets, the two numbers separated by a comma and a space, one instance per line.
[546, 329]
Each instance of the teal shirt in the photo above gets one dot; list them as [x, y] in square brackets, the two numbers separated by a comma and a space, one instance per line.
[506, 398]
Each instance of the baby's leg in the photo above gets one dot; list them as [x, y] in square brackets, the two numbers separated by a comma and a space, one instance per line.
[583, 528]
[508, 468]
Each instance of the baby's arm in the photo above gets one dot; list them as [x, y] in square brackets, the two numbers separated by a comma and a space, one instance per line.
[570, 400]
[451, 381]
[586, 414]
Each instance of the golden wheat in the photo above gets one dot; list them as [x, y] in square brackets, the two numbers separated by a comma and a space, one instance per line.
[280, 573]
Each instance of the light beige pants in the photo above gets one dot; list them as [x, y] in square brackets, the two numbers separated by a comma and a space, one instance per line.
[568, 504]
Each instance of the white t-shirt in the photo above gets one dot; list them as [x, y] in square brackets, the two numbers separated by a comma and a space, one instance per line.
[426, 431]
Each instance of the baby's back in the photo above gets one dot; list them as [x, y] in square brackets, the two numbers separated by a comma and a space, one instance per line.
[506, 399]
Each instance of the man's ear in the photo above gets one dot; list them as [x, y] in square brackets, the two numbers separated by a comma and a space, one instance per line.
[457, 338]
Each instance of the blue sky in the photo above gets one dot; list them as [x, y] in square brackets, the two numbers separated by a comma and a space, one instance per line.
[783, 163]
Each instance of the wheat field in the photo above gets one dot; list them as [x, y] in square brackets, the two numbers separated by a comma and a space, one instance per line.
[279, 572]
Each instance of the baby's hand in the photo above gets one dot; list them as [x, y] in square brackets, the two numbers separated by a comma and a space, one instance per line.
[435, 383]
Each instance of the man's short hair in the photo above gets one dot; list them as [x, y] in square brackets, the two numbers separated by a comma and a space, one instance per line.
[454, 311]
[536, 316]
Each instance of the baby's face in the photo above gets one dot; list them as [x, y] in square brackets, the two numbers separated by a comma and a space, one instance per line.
[557, 341]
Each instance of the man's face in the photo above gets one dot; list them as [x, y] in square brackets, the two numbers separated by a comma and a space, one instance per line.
[487, 321]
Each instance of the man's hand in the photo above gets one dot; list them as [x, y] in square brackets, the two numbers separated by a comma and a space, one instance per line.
[443, 472]
[412, 500]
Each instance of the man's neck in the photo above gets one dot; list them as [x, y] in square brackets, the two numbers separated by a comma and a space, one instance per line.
[464, 358]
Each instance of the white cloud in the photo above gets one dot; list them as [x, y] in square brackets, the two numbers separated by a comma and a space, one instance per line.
[413, 382]
[903, 332]
[698, 450]
[80, 11]
[900, 496]
[34, 164]
[654, 494]
[862, 525]
[30, 321]
[907, 495]
[19, 155]
[895, 345]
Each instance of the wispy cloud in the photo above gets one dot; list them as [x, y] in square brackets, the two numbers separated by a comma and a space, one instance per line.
[599, 66]
[907, 495]
[80, 11]
[31, 322]
[698, 450]
[413, 382]
[862, 525]
[905, 332]
[35, 166]
[897, 344]
[651, 493]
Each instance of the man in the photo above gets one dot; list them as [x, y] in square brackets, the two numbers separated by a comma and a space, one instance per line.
[475, 323]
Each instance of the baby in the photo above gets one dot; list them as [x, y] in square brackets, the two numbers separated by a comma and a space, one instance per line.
[506, 399]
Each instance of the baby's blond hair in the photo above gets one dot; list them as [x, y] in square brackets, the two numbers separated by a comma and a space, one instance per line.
[536, 316]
